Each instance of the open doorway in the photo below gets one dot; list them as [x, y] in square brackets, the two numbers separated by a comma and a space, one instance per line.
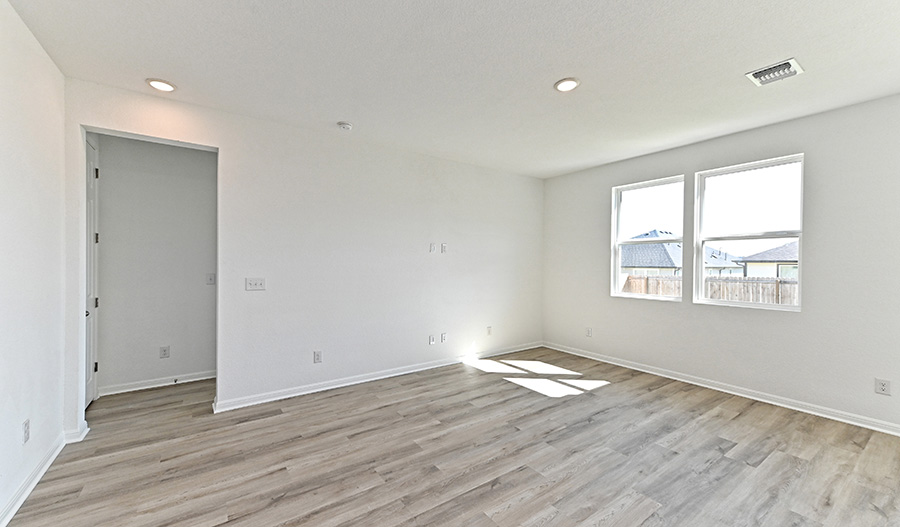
[151, 264]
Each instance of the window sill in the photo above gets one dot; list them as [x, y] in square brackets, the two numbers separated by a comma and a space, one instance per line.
[748, 305]
[647, 297]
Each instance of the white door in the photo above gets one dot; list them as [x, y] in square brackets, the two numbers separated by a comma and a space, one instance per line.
[92, 304]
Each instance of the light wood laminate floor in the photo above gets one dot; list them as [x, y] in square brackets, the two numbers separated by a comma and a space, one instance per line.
[456, 446]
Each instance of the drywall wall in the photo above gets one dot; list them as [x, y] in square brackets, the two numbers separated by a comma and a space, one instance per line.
[340, 229]
[157, 223]
[825, 356]
[31, 289]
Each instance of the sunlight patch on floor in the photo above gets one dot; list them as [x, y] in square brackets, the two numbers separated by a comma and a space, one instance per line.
[540, 367]
[545, 386]
[491, 366]
[584, 384]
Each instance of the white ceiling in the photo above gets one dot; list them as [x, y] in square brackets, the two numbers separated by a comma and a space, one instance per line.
[472, 80]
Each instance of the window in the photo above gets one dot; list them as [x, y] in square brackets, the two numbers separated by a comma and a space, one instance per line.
[747, 224]
[647, 226]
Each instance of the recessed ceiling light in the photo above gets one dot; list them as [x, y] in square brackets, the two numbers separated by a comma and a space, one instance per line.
[567, 84]
[344, 125]
[161, 85]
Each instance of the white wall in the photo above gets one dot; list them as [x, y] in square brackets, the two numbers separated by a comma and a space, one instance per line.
[828, 354]
[31, 319]
[157, 222]
[340, 229]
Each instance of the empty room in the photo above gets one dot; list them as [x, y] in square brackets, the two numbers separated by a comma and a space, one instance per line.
[462, 263]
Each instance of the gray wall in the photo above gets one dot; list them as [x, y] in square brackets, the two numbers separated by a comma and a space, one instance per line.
[157, 224]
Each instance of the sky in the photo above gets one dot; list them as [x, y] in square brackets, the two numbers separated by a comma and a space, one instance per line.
[751, 201]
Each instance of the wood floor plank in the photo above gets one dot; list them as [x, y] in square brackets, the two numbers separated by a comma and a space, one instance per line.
[456, 446]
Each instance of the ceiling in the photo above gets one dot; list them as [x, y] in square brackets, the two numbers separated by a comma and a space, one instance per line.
[472, 80]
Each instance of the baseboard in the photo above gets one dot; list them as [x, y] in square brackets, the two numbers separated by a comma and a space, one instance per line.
[155, 383]
[504, 351]
[78, 435]
[241, 402]
[792, 404]
[28, 485]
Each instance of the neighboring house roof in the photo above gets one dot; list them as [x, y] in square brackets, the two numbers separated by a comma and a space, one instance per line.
[785, 253]
[668, 255]
[721, 259]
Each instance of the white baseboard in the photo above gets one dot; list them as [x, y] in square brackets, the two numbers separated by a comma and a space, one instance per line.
[78, 435]
[814, 409]
[155, 383]
[241, 402]
[10, 509]
[511, 349]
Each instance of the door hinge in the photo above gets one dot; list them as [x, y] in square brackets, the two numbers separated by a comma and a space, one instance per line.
[96, 366]
[97, 302]
[96, 173]
[96, 237]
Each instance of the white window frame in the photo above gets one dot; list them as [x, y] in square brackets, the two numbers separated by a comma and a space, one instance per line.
[699, 266]
[616, 243]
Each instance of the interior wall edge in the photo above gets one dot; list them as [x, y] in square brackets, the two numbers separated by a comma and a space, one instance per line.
[77, 435]
[785, 402]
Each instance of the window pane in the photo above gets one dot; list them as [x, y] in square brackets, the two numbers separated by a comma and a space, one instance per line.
[657, 211]
[758, 271]
[650, 269]
[753, 201]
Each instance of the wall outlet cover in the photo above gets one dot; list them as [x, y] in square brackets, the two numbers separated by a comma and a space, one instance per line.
[254, 284]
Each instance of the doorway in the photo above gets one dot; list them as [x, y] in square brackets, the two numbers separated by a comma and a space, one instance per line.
[151, 264]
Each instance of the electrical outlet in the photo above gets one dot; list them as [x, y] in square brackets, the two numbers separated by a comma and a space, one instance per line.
[443, 247]
[882, 386]
[26, 431]
[254, 284]
[490, 331]
[443, 337]
[588, 332]
[164, 352]
[431, 340]
[317, 357]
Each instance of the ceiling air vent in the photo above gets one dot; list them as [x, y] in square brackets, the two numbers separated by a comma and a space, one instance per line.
[775, 72]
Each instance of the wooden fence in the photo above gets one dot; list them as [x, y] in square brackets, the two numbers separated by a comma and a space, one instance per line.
[762, 290]
[653, 285]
